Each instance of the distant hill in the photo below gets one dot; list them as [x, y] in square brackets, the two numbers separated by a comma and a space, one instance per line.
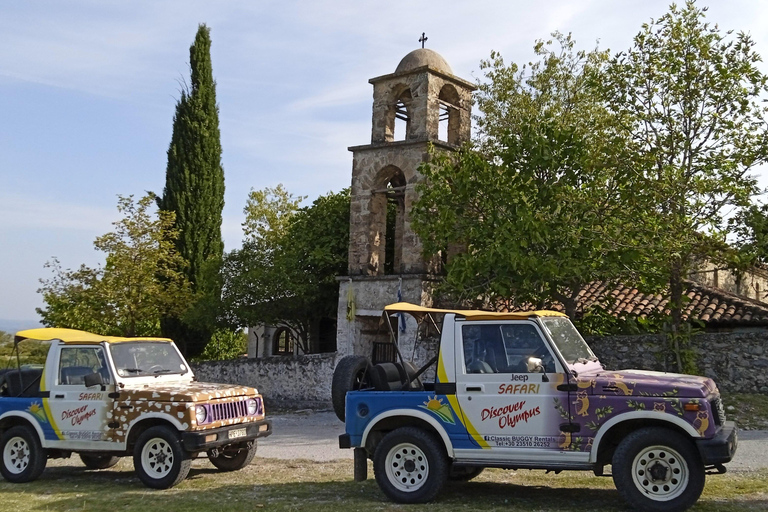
[11, 326]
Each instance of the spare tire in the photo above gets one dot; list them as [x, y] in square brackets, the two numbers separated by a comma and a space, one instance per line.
[350, 374]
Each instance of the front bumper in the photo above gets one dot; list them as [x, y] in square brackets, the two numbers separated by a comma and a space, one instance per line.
[719, 449]
[203, 440]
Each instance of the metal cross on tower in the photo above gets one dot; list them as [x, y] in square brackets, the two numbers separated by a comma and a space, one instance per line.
[423, 39]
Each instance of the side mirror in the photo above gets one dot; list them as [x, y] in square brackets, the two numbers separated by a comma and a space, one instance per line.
[93, 379]
[535, 365]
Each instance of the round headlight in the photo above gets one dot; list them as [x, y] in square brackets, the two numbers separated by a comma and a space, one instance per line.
[201, 414]
[252, 406]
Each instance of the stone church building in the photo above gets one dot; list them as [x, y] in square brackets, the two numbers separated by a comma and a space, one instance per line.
[421, 104]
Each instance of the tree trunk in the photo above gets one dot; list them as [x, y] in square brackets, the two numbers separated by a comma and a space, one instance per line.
[676, 310]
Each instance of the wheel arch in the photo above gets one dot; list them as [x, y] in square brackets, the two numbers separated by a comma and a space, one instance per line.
[143, 424]
[14, 418]
[390, 420]
[615, 429]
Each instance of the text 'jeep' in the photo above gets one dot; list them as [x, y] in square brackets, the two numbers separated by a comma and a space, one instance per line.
[105, 397]
[523, 390]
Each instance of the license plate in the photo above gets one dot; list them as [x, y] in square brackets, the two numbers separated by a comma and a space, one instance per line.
[238, 432]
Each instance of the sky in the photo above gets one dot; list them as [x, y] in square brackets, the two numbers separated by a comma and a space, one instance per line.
[88, 90]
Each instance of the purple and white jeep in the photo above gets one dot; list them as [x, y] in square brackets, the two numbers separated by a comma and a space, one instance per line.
[523, 390]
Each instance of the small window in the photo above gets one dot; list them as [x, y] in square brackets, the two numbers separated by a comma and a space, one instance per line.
[283, 342]
[77, 362]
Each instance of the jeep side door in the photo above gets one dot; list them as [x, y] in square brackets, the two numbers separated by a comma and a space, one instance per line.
[507, 388]
[79, 413]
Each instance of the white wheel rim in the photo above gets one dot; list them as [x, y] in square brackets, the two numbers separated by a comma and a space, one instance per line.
[16, 455]
[407, 467]
[157, 458]
[660, 473]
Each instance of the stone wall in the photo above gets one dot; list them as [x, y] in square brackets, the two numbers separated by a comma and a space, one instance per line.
[738, 362]
[295, 381]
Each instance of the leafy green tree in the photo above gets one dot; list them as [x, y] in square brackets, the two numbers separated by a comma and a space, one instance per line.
[690, 98]
[225, 344]
[541, 204]
[285, 273]
[194, 190]
[139, 282]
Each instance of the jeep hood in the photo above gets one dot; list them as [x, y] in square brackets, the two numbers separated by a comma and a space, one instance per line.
[185, 392]
[647, 383]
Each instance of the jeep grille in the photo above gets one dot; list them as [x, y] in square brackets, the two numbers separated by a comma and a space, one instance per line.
[229, 410]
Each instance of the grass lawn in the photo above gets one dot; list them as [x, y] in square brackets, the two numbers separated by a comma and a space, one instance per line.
[271, 484]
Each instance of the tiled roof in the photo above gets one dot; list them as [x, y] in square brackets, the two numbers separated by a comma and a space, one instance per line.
[712, 306]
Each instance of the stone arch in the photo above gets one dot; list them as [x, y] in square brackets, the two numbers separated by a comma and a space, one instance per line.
[387, 221]
[399, 114]
[449, 129]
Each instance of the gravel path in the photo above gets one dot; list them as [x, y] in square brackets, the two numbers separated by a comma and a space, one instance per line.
[315, 436]
[304, 435]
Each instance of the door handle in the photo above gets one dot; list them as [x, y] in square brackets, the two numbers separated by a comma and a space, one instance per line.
[474, 388]
[58, 396]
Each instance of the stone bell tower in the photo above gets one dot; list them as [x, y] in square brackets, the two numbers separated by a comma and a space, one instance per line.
[421, 103]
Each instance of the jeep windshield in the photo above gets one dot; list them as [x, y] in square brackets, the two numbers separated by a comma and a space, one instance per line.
[569, 342]
[146, 358]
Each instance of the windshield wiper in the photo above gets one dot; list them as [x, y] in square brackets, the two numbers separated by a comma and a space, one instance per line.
[131, 370]
[163, 371]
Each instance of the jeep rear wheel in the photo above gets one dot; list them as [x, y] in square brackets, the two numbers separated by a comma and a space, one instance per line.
[159, 458]
[464, 473]
[658, 470]
[233, 457]
[98, 460]
[410, 465]
[350, 374]
[23, 458]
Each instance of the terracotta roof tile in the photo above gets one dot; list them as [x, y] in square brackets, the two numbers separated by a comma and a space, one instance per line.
[712, 306]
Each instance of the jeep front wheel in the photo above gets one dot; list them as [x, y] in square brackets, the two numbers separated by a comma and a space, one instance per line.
[233, 457]
[23, 458]
[159, 458]
[410, 465]
[656, 469]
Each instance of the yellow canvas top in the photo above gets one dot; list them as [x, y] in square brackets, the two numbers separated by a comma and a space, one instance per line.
[420, 312]
[73, 336]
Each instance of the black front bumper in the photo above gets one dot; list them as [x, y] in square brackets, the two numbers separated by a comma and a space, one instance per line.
[719, 449]
[200, 440]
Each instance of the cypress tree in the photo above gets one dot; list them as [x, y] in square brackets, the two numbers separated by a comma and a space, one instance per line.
[194, 189]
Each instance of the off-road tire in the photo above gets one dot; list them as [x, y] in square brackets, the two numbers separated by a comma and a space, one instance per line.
[410, 465]
[22, 457]
[159, 459]
[98, 460]
[350, 374]
[234, 457]
[679, 473]
[464, 473]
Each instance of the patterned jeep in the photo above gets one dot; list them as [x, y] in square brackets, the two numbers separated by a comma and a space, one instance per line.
[106, 397]
[523, 390]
